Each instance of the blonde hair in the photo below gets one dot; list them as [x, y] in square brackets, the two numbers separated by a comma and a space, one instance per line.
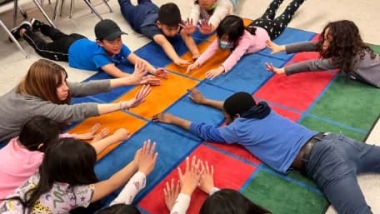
[42, 80]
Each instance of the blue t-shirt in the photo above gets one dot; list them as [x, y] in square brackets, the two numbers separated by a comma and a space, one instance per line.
[149, 27]
[275, 140]
[88, 55]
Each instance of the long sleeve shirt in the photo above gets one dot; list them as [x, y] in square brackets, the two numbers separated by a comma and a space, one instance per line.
[275, 140]
[247, 44]
[365, 68]
[16, 108]
[131, 189]
[222, 9]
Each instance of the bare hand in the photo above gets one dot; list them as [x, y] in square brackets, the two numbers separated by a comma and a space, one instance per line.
[207, 178]
[188, 27]
[150, 80]
[138, 99]
[190, 179]
[196, 96]
[205, 27]
[270, 67]
[148, 158]
[274, 47]
[171, 192]
[214, 73]
[140, 70]
[191, 67]
[102, 134]
[162, 72]
[180, 62]
[163, 118]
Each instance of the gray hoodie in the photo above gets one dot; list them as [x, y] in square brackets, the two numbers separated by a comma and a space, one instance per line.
[16, 108]
[366, 69]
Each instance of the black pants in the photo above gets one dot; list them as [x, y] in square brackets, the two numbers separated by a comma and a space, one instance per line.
[275, 26]
[58, 49]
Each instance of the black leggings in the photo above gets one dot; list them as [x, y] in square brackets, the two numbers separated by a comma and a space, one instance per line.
[58, 49]
[275, 26]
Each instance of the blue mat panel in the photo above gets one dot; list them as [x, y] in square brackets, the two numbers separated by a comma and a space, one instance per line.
[247, 75]
[153, 53]
[172, 148]
[290, 35]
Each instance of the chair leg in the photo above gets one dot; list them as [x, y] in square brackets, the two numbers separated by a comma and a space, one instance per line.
[106, 3]
[62, 3]
[93, 9]
[13, 39]
[55, 10]
[15, 11]
[71, 8]
[43, 13]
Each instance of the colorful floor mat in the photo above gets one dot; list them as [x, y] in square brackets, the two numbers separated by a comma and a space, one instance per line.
[322, 101]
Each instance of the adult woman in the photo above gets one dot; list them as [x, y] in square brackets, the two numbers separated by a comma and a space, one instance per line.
[44, 91]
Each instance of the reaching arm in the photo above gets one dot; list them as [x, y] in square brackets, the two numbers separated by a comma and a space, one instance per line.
[78, 89]
[222, 9]
[190, 44]
[114, 71]
[237, 53]
[214, 103]
[133, 187]
[195, 13]
[210, 51]
[166, 46]
[301, 47]
[119, 135]
[133, 58]
[309, 65]
[104, 188]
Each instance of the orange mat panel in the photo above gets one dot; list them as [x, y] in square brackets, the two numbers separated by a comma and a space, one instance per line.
[161, 97]
[112, 121]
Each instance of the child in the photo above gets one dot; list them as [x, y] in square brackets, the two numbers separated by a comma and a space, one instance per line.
[341, 47]
[211, 12]
[240, 41]
[331, 160]
[104, 54]
[159, 24]
[67, 180]
[22, 156]
[200, 174]
[45, 92]
[122, 203]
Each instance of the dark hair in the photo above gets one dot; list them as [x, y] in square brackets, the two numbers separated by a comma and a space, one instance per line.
[229, 201]
[120, 209]
[169, 14]
[233, 27]
[346, 43]
[238, 103]
[68, 161]
[38, 130]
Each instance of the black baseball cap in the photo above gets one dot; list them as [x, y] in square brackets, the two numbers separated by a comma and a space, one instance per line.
[107, 30]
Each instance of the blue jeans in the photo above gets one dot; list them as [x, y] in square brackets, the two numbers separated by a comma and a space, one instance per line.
[135, 15]
[334, 164]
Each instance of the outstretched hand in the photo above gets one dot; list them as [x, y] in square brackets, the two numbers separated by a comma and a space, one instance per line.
[171, 192]
[189, 179]
[139, 98]
[150, 80]
[274, 47]
[162, 72]
[206, 182]
[191, 67]
[148, 158]
[188, 27]
[196, 96]
[270, 67]
[214, 73]
[180, 62]
[205, 27]
[140, 70]
[163, 118]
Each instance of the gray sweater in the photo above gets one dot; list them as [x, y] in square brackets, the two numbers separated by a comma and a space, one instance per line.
[16, 108]
[366, 69]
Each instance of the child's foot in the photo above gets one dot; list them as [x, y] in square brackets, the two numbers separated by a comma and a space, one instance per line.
[16, 31]
[36, 24]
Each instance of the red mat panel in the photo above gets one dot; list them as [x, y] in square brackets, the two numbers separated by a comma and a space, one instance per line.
[228, 173]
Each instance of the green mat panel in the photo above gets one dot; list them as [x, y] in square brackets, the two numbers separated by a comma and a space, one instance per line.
[286, 197]
[343, 102]
[375, 48]
[320, 125]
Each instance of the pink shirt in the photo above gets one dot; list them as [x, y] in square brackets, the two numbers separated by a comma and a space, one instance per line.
[17, 164]
[247, 44]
